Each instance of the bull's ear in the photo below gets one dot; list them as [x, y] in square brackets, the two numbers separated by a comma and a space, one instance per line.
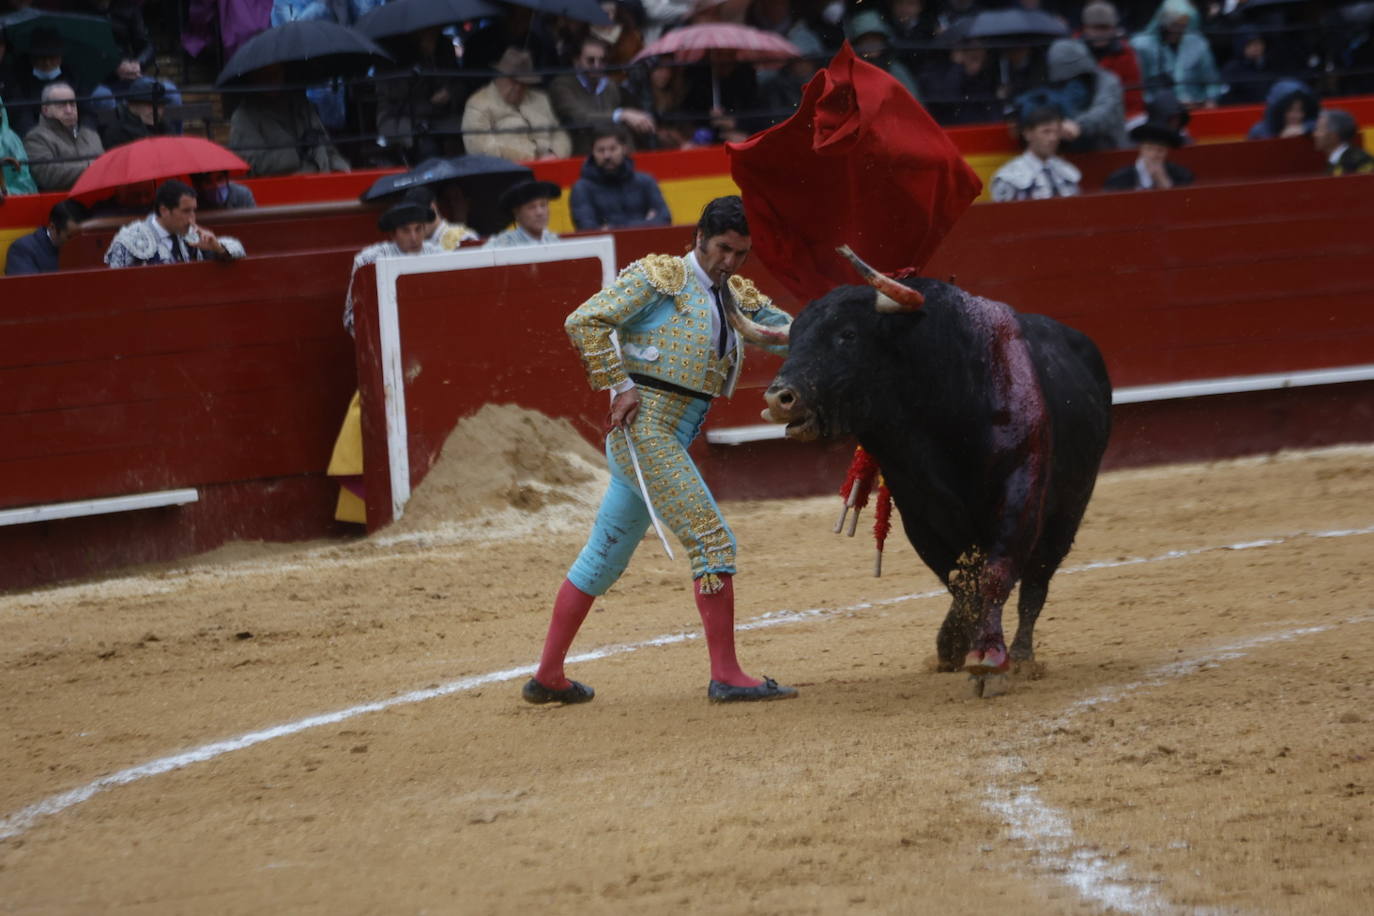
[892, 296]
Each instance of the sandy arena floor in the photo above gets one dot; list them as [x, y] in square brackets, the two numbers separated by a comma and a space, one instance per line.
[336, 728]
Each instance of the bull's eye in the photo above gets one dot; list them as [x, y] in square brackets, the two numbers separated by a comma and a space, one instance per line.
[846, 336]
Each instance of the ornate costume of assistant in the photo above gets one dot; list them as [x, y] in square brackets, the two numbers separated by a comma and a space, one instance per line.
[371, 255]
[449, 236]
[147, 241]
[515, 236]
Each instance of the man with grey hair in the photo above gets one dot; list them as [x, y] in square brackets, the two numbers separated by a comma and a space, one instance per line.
[1338, 135]
[59, 148]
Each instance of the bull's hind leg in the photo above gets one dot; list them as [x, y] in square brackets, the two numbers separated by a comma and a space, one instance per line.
[1049, 552]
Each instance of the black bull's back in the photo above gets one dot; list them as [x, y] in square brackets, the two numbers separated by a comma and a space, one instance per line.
[989, 427]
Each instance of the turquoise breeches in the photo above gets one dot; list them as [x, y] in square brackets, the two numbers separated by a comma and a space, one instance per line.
[664, 428]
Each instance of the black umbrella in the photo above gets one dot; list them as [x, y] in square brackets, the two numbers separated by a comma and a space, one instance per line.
[481, 178]
[1014, 23]
[312, 50]
[404, 16]
[581, 10]
[89, 52]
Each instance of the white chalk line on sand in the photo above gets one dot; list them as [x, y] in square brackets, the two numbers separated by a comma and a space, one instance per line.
[1048, 832]
[19, 822]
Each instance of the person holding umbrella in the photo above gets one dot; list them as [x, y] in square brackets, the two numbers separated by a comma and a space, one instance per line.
[279, 132]
[45, 56]
[169, 235]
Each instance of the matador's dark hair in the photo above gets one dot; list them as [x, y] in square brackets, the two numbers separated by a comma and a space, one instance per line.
[170, 193]
[724, 214]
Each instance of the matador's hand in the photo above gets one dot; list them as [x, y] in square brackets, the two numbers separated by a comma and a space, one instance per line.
[624, 408]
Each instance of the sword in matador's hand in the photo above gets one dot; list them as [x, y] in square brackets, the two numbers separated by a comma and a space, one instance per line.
[623, 424]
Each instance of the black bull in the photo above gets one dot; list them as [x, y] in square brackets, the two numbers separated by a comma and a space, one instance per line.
[989, 427]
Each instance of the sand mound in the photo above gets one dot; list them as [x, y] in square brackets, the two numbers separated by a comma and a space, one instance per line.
[502, 465]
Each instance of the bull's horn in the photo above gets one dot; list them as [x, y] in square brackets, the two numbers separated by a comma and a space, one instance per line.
[892, 296]
[758, 334]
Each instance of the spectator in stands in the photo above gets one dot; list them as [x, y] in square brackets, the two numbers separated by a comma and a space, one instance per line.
[45, 59]
[1338, 136]
[169, 235]
[419, 111]
[214, 191]
[871, 38]
[587, 99]
[59, 148]
[439, 231]
[130, 34]
[661, 90]
[781, 95]
[14, 167]
[1249, 74]
[914, 24]
[963, 89]
[1173, 54]
[37, 252]
[279, 132]
[139, 115]
[1103, 34]
[528, 204]
[611, 194]
[1037, 173]
[404, 226]
[510, 118]
[1290, 111]
[1152, 168]
[1089, 97]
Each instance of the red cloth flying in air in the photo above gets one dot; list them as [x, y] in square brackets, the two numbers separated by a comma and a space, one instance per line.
[860, 163]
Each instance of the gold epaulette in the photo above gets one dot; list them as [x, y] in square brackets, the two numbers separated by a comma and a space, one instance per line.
[667, 274]
[747, 294]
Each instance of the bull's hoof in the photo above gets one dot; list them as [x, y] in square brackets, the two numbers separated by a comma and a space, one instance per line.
[991, 661]
[986, 686]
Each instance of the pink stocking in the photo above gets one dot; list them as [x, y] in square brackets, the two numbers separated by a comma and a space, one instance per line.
[569, 610]
[717, 611]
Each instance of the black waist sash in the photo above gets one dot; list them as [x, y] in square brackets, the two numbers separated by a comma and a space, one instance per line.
[651, 382]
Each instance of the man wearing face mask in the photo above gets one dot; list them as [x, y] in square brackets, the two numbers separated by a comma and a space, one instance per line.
[44, 69]
[214, 191]
[673, 351]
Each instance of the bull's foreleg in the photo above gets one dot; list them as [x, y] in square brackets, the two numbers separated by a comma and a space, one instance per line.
[961, 623]
[987, 652]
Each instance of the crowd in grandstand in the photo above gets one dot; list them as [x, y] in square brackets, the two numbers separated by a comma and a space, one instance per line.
[528, 86]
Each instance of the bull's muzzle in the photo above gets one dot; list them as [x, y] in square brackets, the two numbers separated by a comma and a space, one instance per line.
[786, 406]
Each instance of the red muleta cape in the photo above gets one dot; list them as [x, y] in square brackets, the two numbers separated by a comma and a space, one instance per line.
[860, 163]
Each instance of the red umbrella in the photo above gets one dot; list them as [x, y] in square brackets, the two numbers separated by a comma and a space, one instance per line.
[154, 159]
[691, 43]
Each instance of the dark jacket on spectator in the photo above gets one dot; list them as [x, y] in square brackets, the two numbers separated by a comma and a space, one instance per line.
[25, 106]
[33, 254]
[1128, 178]
[281, 134]
[1283, 94]
[127, 25]
[954, 97]
[128, 127]
[619, 199]
[1353, 161]
[580, 109]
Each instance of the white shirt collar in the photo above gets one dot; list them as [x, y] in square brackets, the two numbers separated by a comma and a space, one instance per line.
[162, 231]
[1337, 153]
[702, 277]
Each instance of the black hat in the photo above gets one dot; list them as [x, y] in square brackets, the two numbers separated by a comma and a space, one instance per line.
[45, 42]
[403, 214]
[1157, 132]
[522, 192]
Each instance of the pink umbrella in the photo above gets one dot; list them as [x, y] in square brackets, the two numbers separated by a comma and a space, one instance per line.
[691, 43]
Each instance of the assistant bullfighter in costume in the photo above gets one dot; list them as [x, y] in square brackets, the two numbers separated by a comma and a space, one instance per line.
[673, 351]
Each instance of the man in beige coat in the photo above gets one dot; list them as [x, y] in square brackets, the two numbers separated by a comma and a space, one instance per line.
[510, 118]
[59, 149]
